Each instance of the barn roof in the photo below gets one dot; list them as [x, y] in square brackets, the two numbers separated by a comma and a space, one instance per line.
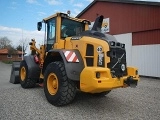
[120, 1]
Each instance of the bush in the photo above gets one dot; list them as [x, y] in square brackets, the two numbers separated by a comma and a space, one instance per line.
[7, 62]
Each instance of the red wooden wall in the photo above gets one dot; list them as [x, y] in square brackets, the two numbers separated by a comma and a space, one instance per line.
[141, 20]
[146, 37]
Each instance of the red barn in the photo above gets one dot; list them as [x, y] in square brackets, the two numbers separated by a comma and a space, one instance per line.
[135, 23]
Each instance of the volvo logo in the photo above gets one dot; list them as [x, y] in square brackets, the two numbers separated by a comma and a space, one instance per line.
[123, 67]
[119, 60]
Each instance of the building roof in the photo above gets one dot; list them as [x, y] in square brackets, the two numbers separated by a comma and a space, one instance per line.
[120, 1]
[5, 51]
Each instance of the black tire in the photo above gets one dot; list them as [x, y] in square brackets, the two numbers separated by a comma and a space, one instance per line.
[64, 90]
[23, 74]
[102, 93]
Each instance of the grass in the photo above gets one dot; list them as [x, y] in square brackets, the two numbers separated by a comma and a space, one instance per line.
[7, 62]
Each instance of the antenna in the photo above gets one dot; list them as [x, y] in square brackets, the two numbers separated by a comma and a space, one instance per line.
[22, 38]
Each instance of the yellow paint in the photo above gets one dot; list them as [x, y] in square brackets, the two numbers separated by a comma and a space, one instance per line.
[59, 42]
[58, 15]
[89, 82]
[132, 71]
[82, 43]
[33, 46]
[23, 73]
[52, 83]
[41, 75]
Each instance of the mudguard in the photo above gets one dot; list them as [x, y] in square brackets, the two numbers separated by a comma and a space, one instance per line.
[73, 68]
[33, 68]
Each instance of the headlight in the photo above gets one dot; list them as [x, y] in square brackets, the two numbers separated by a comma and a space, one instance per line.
[123, 67]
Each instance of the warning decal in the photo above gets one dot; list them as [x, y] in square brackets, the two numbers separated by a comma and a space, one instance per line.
[71, 56]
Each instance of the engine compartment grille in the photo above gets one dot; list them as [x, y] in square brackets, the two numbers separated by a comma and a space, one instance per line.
[117, 60]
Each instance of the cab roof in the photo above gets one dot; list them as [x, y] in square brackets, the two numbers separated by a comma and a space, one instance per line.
[65, 15]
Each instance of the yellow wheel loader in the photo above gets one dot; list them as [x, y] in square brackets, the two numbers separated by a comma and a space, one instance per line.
[74, 57]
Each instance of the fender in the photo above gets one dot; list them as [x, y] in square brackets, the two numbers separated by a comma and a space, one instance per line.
[73, 69]
[33, 68]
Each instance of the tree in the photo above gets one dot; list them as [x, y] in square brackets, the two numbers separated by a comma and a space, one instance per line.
[25, 43]
[11, 50]
[19, 48]
[5, 42]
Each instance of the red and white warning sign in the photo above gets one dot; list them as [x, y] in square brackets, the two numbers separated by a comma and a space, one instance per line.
[71, 56]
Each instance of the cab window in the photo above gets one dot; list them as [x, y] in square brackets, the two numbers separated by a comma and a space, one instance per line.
[51, 33]
[71, 28]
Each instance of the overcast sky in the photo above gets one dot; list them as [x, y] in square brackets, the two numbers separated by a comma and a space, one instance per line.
[18, 18]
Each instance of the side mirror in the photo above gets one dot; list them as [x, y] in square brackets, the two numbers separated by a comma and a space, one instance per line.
[39, 26]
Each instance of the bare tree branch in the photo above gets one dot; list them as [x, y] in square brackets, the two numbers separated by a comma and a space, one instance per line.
[25, 43]
[5, 42]
[11, 50]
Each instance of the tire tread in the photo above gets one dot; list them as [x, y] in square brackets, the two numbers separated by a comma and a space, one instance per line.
[27, 83]
[67, 89]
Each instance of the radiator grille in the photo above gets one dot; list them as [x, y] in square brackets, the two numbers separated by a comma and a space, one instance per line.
[117, 58]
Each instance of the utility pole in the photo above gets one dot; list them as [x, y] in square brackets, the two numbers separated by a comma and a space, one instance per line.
[22, 39]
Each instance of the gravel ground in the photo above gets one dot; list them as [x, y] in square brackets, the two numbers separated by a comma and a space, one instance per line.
[141, 103]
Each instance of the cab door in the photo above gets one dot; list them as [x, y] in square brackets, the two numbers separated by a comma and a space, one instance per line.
[51, 34]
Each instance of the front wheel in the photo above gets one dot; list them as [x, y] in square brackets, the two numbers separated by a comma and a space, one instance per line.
[58, 89]
[23, 74]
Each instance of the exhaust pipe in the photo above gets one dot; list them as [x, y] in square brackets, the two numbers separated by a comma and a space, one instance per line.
[98, 24]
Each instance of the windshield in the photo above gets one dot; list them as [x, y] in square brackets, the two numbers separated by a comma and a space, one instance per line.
[71, 28]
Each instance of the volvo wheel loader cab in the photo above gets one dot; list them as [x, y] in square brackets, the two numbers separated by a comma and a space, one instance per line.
[74, 57]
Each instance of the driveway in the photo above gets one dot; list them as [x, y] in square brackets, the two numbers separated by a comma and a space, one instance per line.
[5, 71]
[141, 103]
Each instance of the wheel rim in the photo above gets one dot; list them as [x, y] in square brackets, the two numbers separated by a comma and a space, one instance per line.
[52, 83]
[23, 73]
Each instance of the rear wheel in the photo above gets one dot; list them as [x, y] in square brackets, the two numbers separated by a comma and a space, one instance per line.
[58, 89]
[23, 74]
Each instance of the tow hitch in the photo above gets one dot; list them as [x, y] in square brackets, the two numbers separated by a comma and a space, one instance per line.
[130, 81]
